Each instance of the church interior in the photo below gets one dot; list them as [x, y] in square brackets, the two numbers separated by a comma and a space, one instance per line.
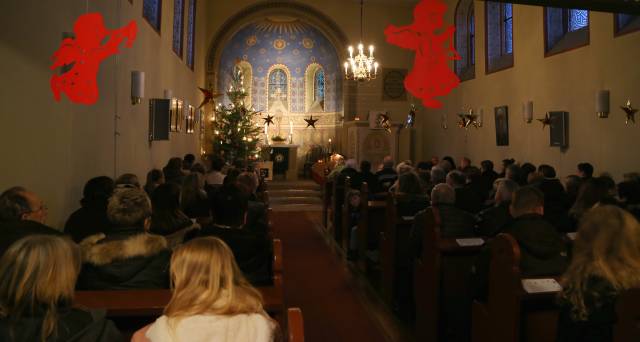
[335, 170]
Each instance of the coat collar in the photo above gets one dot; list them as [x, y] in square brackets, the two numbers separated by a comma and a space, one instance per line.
[98, 252]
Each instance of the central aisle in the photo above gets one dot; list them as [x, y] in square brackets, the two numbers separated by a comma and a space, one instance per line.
[317, 282]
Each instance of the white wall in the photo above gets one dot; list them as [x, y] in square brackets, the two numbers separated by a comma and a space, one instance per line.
[54, 148]
[567, 82]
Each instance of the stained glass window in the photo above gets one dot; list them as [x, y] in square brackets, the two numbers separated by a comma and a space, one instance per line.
[626, 23]
[278, 89]
[464, 38]
[472, 38]
[318, 95]
[508, 28]
[178, 26]
[152, 10]
[578, 19]
[191, 32]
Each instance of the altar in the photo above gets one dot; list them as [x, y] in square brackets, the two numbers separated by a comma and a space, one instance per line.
[285, 161]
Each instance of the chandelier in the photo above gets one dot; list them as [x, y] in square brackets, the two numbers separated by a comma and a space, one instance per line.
[361, 67]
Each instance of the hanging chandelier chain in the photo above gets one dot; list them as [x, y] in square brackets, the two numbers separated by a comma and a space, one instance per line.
[361, 67]
[361, 20]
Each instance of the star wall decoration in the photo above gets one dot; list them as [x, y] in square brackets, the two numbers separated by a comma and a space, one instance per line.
[268, 120]
[385, 122]
[472, 119]
[411, 118]
[630, 111]
[463, 122]
[546, 121]
[208, 96]
[311, 122]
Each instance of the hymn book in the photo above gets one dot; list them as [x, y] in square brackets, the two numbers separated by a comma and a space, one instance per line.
[541, 285]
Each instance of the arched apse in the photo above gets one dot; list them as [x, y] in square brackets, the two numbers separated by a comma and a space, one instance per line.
[284, 44]
[330, 40]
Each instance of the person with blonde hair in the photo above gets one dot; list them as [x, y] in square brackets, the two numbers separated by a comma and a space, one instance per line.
[606, 261]
[37, 279]
[211, 300]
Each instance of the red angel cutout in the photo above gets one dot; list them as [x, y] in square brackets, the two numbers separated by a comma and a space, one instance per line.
[431, 75]
[85, 53]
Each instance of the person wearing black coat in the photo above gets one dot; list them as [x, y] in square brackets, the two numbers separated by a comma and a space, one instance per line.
[91, 218]
[365, 176]
[542, 250]
[251, 248]
[127, 256]
[22, 214]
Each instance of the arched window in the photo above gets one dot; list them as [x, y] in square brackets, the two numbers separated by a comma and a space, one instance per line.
[247, 84]
[318, 94]
[178, 26]
[278, 89]
[565, 29]
[465, 40]
[191, 33]
[314, 88]
[499, 20]
[626, 23]
[151, 11]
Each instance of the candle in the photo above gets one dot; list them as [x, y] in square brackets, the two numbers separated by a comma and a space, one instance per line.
[360, 47]
[330, 149]
[350, 51]
[290, 127]
[370, 50]
[375, 66]
[346, 67]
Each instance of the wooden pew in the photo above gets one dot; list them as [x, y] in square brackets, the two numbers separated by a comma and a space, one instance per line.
[295, 322]
[345, 224]
[139, 306]
[326, 203]
[337, 199]
[628, 309]
[441, 275]
[370, 225]
[510, 313]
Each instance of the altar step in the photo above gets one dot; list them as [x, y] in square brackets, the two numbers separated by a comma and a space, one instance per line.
[300, 195]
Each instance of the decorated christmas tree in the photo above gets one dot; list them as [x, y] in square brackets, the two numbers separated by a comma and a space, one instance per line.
[235, 134]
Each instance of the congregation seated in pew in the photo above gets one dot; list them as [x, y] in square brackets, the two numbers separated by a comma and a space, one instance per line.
[22, 213]
[37, 280]
[252, 248]
[211, 299]
[91, 218]
[490, 221]
[167, 218]
[126, 256]
[455, 222]
[543, 252]
[605, 262]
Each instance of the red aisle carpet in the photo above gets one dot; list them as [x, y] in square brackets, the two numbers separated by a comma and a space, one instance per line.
[316, 281]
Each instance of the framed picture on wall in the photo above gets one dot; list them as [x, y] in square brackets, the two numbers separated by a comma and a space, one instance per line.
[179, 117]
[393, 84]
[502, 125]
[173, 113]
[191, 119]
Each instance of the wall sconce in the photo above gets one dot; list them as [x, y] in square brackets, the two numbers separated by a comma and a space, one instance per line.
[137, 86]
[168, 94]
[527, 111]
[602, 104]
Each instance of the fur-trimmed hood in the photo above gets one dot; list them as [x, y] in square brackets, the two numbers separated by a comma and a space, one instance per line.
[100, 253]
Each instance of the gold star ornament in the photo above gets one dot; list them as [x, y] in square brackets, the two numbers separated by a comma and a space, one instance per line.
[630, 111]
[546, 121]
